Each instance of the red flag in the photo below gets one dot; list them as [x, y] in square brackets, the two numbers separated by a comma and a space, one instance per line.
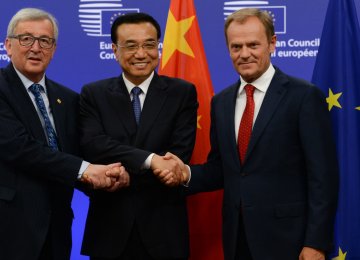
[183, 57]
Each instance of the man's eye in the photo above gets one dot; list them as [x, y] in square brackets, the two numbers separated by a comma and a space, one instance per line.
[131, 47]
[45, 40]
[149, 46]
[26, 38]
[235, 47]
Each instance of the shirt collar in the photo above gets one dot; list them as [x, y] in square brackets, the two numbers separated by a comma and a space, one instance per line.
[27, 82]
[262, 83]
[144, 85]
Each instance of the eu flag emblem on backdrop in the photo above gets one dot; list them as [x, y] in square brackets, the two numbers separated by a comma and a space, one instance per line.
[109, 16]
[278, 13]
[337, 73]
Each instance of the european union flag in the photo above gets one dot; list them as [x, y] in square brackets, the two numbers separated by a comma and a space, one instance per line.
[278, 13]
[109, 16]
[337, 72]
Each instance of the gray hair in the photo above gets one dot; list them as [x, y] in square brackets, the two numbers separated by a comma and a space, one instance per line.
[32, 14]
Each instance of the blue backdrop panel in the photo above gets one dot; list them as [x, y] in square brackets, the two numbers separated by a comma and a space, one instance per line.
[84, 48]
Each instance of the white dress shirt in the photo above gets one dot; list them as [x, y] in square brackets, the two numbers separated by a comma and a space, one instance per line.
[261, 86]
[144, 86]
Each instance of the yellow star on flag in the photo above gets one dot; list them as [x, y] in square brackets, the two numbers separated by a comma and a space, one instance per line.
[174, 38]
[198, 122]
[341, 255]
[357, 108]
[332, 99]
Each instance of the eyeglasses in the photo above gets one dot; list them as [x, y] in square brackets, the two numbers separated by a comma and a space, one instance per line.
[28, 40]
[132, 48]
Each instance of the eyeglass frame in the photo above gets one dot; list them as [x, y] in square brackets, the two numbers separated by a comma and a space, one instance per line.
[137, 46]
[52, 40]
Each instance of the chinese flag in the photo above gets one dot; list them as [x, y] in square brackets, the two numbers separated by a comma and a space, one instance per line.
[183, 57]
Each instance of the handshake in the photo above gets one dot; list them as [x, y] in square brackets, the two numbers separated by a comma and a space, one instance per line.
[107, 177]
[169, 169]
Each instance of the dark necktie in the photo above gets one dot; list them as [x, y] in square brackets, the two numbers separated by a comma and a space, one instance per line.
[246, 123]
[50, 132]
[136, 91]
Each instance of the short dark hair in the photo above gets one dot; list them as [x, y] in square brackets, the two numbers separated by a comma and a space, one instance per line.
[133, 18]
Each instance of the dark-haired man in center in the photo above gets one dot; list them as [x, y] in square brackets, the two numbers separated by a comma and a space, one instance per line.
[135, 118]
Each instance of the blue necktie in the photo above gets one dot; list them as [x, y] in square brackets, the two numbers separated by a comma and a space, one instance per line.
[51, 135]
[136, 91]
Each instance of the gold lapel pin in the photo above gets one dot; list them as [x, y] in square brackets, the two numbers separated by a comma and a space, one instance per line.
[59, 101]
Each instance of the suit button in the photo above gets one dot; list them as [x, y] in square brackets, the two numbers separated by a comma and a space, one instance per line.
[243, 174]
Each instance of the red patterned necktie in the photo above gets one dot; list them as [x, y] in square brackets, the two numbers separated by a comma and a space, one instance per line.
[246, 123]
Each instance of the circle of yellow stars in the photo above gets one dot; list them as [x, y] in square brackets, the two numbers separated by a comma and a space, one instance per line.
[113, 17]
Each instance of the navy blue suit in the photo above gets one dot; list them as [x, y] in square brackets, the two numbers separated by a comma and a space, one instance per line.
[286, 190]
[36, 183]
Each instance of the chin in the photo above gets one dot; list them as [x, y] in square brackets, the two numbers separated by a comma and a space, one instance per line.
[139, 74]
[245, 74]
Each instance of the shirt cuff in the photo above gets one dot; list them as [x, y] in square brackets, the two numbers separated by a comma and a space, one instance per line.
[83, 168]
[187, 183]
[147, 164]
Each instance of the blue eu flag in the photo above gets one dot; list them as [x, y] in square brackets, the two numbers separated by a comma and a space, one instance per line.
[109, 16]
[278, 13]
[337, 73]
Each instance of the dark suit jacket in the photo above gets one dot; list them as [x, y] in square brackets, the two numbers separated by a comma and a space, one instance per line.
[286, 189]
[110, 134]
[36, 183]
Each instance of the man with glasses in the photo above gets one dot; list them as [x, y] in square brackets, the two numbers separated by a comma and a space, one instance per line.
[39, 166]
[135, 118]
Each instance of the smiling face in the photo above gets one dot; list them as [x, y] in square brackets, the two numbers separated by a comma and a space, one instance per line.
[137, 66]
[249, 47]
[31, 61]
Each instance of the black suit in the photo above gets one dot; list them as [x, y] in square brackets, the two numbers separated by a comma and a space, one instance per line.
[286, 190]
[110, 134]
[36, 183]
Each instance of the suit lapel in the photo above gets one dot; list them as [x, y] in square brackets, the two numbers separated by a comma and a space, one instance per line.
[58, 111]
[273, 96]
[23, 104]
[229, 122]
[119, 99]
[154, 101]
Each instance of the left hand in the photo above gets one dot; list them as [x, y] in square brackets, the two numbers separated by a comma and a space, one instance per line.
[122, 181]
[308, 253]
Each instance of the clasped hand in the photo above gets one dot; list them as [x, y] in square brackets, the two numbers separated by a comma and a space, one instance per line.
[108, 177]
[170, 170]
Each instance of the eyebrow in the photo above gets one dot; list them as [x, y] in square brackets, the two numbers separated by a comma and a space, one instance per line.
[30, 34]
[134, 41]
